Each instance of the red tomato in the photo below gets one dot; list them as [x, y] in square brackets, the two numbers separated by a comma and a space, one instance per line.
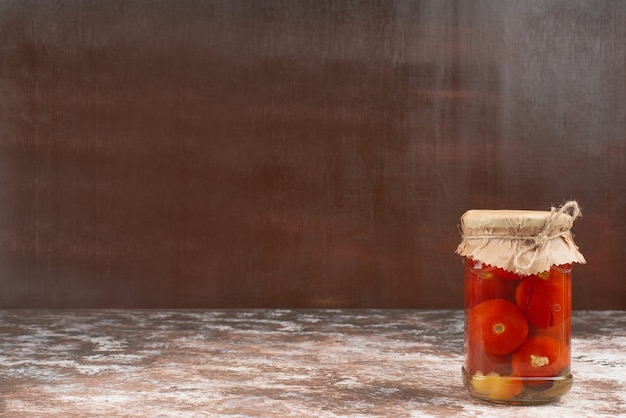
[505, 274]
[540, 356]
[545, 298]
[482, 283]
[497, 325]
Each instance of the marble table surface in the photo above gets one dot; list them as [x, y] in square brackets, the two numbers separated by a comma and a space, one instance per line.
[275, 363]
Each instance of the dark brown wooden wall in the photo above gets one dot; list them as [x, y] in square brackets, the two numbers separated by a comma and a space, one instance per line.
[299, 153]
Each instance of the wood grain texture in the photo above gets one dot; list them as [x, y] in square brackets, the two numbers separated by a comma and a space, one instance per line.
[299, 154]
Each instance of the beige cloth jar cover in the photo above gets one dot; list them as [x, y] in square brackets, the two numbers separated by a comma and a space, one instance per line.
[521, 241]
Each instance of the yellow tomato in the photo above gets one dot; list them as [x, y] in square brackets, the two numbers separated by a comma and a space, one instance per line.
[496, 387]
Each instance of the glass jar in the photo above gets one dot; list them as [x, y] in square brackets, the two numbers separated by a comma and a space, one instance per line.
[518, 303]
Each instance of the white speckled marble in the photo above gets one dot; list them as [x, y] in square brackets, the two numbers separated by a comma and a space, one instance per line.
[275, 363]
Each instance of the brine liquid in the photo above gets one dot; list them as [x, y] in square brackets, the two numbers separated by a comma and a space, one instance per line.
[517, 334]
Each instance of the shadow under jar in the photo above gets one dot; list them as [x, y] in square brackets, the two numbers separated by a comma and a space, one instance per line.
[518, 271]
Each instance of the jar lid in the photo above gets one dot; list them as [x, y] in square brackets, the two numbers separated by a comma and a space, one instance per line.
[522, 241]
